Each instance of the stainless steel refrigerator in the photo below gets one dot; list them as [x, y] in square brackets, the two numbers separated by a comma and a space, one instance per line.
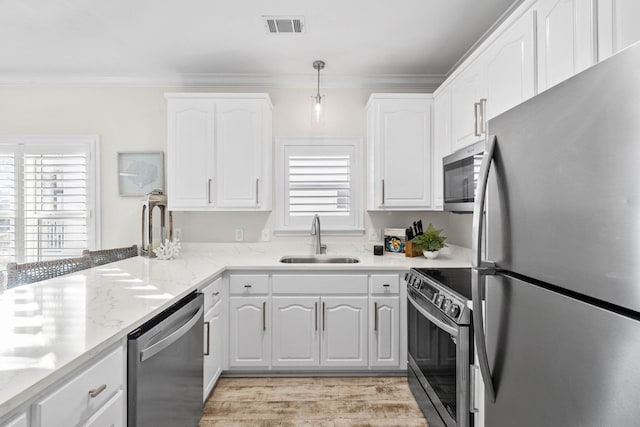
[557, 254]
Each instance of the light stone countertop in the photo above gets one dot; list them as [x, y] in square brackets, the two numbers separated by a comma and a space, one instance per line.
[50, 328]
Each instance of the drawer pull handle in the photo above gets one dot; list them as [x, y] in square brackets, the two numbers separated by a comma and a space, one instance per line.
[215, 294]
[264, 315]
[208, 350]
[386, 285]
[247, 286]
[375, 313]
[96, 391]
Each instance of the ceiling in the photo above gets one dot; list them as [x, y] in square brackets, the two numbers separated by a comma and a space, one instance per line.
[204, 40]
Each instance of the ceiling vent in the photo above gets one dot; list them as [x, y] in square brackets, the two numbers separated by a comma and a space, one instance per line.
[284, 24]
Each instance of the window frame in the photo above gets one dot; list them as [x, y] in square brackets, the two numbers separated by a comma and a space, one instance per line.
[21, 144]
[283, 224]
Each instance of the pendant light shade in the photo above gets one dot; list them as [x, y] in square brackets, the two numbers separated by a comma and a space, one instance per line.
[317, 112]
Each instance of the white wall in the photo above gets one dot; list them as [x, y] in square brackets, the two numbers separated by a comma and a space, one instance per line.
[134, 119]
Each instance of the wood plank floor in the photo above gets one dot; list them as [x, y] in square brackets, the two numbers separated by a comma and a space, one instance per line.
[320, 401]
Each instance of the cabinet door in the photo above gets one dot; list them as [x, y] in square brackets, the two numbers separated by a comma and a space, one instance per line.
[190, 153]
[239, 152]
[466, 91]
[295, 338]
[248, 332]
[403, 139]
[510, 67]
[565, 40]
[19, 421]
[384, 342]
[344, 331]
[213, 341]
[617, 26]
[441, 143]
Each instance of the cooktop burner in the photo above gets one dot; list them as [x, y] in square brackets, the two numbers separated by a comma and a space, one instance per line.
[456, 279]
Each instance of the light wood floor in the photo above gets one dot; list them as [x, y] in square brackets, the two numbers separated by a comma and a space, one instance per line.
[300, 402]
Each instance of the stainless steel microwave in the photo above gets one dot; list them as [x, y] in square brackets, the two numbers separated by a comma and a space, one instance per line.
[460, 179]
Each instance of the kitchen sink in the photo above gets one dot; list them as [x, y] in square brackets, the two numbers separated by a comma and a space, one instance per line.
[319, 260]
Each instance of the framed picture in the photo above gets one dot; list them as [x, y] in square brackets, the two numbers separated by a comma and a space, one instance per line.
[140, 173]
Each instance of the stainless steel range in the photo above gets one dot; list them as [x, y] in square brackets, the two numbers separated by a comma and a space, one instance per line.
[440, 344]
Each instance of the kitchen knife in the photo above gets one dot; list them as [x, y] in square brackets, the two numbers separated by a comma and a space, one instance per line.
[420, 230]
[415, 228]
[409, 234]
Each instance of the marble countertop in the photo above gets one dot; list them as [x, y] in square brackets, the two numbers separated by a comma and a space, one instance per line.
[50, 328]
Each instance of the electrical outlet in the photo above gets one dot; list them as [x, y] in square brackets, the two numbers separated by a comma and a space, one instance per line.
[374, 235]
[177, 234]
[265, 235]
[239, 234]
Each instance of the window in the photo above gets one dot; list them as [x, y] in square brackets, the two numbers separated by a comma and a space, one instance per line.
[48, 196]
[319, 176]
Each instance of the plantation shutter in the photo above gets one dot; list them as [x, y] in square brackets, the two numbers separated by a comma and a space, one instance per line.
[319, 176]
[319, 184]
[55, 204]
[7, 207]
[48, 193]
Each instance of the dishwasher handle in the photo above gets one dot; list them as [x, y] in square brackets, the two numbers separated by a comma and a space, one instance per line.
[154, 349]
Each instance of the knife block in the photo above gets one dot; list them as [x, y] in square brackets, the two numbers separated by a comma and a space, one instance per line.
[410, 250]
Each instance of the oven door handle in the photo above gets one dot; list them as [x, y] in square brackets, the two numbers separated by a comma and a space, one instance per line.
[451, 330]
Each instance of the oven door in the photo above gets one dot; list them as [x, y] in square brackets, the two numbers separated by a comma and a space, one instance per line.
[438, 363]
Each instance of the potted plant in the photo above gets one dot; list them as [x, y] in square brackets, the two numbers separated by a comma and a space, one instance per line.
[430, 242]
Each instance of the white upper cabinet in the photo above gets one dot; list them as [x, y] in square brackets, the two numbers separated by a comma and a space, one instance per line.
[219, 152]
[190, 153]
[441, 143]
[510, 67]
[400, 151]
[565, 39]
[467, 93]
[618, 25]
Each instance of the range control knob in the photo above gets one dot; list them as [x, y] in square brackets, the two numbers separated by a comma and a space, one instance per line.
[439, 299]
[446, 304]
[454, 310]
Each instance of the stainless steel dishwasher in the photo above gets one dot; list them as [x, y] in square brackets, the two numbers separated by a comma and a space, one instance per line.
[165, 361]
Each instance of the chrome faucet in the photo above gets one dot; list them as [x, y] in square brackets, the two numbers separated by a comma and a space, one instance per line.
[315, 231]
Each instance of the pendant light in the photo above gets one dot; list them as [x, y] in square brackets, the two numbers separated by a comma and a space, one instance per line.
[317, 104]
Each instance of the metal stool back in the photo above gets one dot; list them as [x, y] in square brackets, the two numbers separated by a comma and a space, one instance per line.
[30, 272]
[105, 256]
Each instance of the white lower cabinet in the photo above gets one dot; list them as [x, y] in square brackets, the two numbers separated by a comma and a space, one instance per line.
[344, 331]
[295, 337]
[214, 332]
[324, 321]
[110, 415]
[19, 421]
[319, 331]
[93, 396]
[248, 332]
[384, 339]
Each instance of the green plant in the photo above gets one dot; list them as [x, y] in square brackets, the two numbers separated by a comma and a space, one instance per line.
[430, 241]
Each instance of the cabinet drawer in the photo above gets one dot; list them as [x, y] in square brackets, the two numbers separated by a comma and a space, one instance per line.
[248, 284]
[20, 421]
[319, 284]
[385, 284]
[111, 414]
[71, 404]
[212, 294]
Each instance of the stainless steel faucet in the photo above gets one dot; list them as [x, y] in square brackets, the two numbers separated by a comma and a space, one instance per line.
[315, 231]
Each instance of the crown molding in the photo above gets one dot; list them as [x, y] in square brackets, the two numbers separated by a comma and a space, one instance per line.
[373, 81]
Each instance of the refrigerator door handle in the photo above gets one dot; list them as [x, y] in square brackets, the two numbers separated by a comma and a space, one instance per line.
[478, 207]
[477, 291]
[480, 268]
